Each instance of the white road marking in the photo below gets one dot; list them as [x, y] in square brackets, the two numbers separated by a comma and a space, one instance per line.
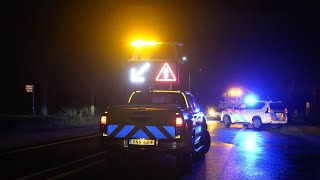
[60, 166]
[46, 145]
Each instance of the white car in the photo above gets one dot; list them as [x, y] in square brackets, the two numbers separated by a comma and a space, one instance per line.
[257, 113]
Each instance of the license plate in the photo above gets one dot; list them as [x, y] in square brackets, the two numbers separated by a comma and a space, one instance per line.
[279, 115]
[144, 142]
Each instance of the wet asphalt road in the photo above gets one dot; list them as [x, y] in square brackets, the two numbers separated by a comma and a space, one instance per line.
[244, 153]
[235, 153]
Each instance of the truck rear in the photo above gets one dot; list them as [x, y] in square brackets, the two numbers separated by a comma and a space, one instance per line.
[142, 127]
[160, 121]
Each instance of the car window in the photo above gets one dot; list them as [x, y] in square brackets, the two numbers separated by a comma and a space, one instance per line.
[222, 106]
[240, 106]
[191, 103]
[158, 98]
[196, 105]
[257, 105]
[276, 106]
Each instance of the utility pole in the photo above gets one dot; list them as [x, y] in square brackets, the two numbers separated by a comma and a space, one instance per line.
[34, 113]
[189, 81]
[43, 91]
[30, 88]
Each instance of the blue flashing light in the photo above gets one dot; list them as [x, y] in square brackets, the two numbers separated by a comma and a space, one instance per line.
[250, 99]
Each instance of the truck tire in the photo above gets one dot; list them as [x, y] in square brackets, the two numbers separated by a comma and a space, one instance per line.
[226, 121]
[256, 123]
[185, 156]
[207, 142]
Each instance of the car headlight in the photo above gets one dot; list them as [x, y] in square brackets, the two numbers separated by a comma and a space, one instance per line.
[212, 112]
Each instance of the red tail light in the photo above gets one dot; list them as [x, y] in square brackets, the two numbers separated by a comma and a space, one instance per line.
[103, 120]
[179, 121]
[285, 110]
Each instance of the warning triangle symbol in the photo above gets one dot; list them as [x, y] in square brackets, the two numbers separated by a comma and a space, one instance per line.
[166, 74]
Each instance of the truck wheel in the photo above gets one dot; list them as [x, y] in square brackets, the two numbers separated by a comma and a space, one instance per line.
[207, 142]
[184, 158]
[256, 123]
[226, 121]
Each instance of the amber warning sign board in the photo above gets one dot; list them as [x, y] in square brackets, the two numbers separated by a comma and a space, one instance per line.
[144, 72]
[166, 74]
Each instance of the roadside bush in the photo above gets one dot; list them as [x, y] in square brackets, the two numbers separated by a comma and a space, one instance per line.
[65, 118]
[74, 117]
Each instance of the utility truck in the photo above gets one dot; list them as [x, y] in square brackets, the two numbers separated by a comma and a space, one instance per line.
[164, 121]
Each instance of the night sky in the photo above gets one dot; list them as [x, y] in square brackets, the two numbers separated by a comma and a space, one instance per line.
[72, 48]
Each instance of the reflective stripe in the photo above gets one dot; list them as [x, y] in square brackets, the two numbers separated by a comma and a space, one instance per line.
[156, 132]
[111, 128]
[239, 114]
[140, 134]
[132, 131]
[124, 131]
[236, 115]
[170, 130]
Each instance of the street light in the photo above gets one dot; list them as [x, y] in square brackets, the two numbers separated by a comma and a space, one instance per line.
[184, 58]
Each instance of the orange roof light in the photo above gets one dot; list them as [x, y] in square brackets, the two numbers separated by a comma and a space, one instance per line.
[235, 92]
[140, 43]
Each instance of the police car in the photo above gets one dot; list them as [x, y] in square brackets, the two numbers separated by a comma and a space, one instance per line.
[257, 113]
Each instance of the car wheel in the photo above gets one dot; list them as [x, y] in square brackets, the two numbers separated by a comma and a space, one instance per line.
[226, 121]
[256, 123]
